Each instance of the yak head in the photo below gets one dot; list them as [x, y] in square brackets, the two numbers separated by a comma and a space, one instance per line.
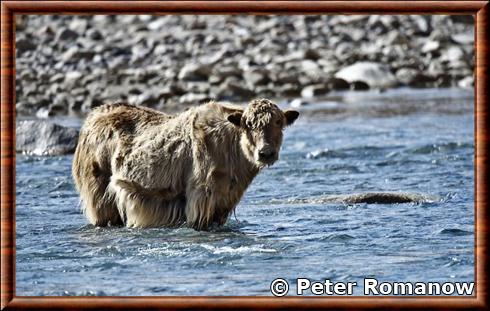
[262, 123]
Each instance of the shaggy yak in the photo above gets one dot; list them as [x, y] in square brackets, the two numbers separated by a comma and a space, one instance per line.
[138, 167]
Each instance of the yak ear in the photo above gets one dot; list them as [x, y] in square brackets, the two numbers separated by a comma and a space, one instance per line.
[235, 118]
[291, 116]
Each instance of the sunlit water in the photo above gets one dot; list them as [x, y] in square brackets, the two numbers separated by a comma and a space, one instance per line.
[422, 150]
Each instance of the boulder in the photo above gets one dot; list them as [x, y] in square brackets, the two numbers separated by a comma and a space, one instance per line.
[375, 75]
[195, 72]
[35, 137]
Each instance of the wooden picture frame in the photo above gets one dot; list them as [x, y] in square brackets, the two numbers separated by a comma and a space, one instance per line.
[11, 8]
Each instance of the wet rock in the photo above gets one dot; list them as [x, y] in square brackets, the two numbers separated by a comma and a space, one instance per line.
[60, 108]
[43, 113]
[314, 91]
[455, 232]
[369, 198]
[44, 138]
[373, 74]
[298, 102]
[466, 82]
[384, 198]
[359, 86]
[337, 84]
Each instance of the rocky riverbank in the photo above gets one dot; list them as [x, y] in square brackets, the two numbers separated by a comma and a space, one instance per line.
[67, 65]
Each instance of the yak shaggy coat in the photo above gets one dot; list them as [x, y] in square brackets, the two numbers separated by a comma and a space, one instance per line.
[138, 167]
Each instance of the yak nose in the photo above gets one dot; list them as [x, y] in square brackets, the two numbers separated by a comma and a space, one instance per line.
[267, 154]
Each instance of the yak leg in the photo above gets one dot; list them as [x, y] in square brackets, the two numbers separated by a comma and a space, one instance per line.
[97, 204]
[200, 207]
[144, 207]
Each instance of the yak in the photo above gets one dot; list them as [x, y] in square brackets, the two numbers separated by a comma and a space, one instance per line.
[138, 167]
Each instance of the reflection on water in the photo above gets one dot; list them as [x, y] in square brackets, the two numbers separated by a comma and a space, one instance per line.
[428, 151]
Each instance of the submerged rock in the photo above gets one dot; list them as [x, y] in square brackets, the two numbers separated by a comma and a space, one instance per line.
[369, 198]
[36, 137]
[384, 198]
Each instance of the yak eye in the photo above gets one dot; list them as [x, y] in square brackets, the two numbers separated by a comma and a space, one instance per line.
[279, 122]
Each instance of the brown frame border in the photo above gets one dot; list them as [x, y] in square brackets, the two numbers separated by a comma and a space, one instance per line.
[10, 8]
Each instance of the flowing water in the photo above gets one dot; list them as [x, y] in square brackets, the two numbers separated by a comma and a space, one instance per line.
[415, 141]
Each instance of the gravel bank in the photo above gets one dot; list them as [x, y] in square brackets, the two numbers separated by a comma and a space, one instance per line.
[67, 65]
